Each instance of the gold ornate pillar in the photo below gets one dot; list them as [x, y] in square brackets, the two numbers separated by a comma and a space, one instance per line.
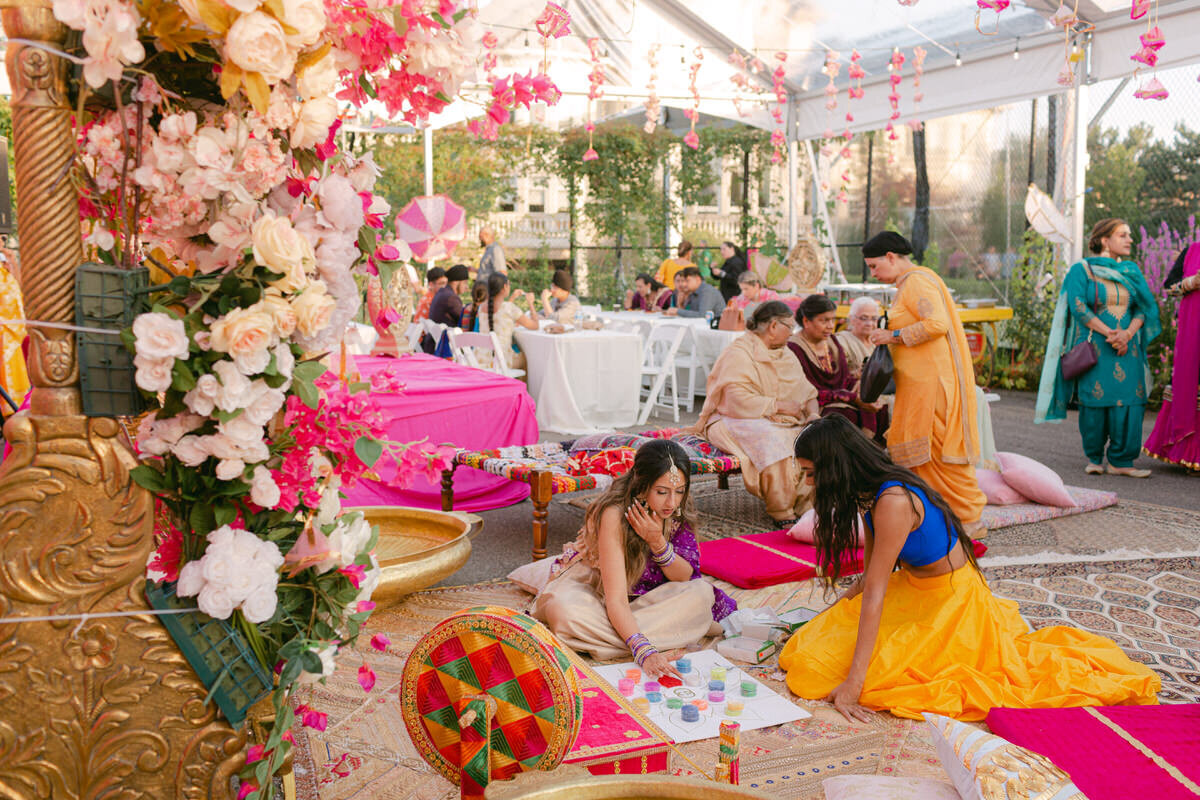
[94, 707]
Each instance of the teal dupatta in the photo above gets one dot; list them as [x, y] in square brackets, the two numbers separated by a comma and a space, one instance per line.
[1054, 391]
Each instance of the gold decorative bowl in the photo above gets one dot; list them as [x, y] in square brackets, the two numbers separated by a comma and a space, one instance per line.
[418, 547]
[574, 786]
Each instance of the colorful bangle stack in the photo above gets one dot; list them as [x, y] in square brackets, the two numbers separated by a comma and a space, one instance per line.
[641, 648]
[664, 558]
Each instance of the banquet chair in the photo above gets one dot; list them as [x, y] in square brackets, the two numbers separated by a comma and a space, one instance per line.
[413, 334]
[658, 366]
[470, 348]
[689, 363]
[435, 330]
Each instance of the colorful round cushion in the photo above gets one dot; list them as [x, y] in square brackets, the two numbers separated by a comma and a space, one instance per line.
[514, 659]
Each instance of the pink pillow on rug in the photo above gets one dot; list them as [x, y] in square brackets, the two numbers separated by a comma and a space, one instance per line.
[1036, 481]
[802, 531]
[998, 493]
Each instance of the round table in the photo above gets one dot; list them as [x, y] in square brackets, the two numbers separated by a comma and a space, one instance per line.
[583, 381]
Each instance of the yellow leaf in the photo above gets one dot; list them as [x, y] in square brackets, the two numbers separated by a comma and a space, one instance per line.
[257, 90]
[231, 79]
[275, 9]
[216, 15]
[306, 60]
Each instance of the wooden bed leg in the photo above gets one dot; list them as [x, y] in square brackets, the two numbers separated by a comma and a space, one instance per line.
[448, 488]
[723, 480]
[540, 492]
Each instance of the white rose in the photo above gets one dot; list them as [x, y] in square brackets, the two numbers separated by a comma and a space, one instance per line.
[279, 248]
[340, 203]
[244, 6]
[191, 579]
[246, 334]
[159, 336]
[241, 581]
[234, 386]
[222, 536]
[364, 172]
[313, 309]
[243, 432]
[229, 469]
[307, 17]
[319, 79]
[260, 605]
[216, 567]
[358, 533]
[265, 406]
[312, 124]
[369, 583]
[198, 403]
[285, 361]
[190, 450]
[215, 600]
[263, 489]
[256, 43]
[270, 555]
[153, 374]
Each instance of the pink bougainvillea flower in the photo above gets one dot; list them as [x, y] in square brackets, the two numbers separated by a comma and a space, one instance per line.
[256, 753]
[327, 149]
[591, 154]
[365, 605]
[248, 788]
[165, 561]
[692, 140]
[387, 252]
[380, 642]
[356, 573]
[366, 678]
[288, 737]
[311, 718]
[553, 22]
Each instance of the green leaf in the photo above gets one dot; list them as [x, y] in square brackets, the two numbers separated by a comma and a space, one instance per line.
[358, 386]
[367, 239]
[311, 662]
[368, 450]
[365, 83]
[225, 416]
[308, 370]
[202, 519]
[128, 340]
[386, 270]
[182, 378]
[224, 514]
[307, 393]
[149, 478]
[179, 286]
[291, 671]
[230, 284]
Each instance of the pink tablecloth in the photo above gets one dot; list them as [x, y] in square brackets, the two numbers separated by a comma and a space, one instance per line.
[458, 405]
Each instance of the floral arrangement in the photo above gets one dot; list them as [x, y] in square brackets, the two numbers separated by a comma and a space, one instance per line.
[211, 153]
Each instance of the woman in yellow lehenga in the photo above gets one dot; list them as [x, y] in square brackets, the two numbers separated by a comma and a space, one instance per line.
[13, 375]
[933, 427]
[929, 636]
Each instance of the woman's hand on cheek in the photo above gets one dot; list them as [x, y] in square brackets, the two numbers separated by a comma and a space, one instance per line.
[645, 524]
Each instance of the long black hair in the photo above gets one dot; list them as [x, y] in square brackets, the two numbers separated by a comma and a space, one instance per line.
[495, 285]
[848, 469]
[814, 306]
[653, 460]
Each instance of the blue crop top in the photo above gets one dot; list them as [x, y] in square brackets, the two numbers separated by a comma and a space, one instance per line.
[931, 541]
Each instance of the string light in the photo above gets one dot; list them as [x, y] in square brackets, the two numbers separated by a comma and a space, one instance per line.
[1017, 50]
[957, 59]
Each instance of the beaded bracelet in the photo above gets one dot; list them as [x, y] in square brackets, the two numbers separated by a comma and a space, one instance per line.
[641, 648]
[641, 657]
[664, 558]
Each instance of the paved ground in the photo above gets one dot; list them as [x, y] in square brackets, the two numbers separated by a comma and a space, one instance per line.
[506, 540]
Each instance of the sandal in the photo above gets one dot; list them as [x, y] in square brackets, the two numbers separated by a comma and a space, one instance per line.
[1094, 469]
[1128, 472]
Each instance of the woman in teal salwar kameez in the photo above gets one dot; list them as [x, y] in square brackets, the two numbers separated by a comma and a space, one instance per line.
[1105, 298]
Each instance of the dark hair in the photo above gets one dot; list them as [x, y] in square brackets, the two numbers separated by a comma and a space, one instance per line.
[1102, 230]
[434, 274]
[644, 278]
[736, 250]
[495, 285]
[814, 306]
[762, 316]
[886, 242]
[459, 272]
[688, 272]
[563, 280]
[479, 293]
[683, 249]
[848, 469]
[653, 460]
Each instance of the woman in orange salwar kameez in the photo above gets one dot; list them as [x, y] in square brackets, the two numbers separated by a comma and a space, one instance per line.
[933, 430]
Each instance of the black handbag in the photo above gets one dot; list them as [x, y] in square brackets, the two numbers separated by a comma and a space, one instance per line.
[877, 372]
[1083, 356]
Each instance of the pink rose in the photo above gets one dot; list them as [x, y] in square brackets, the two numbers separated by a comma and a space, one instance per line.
[153, 374]
[340, 203]
[159, 335]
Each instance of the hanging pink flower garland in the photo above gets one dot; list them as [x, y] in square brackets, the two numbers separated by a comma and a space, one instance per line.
[740, 81]
[653, 107]
[895, 65]
[778, 136]
[1152, 41]
[919, 54]
[595, 81]
[553, 23]
[693, 113]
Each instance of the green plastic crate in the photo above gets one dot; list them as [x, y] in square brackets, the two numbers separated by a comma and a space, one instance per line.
[217, 652]
[109, 298]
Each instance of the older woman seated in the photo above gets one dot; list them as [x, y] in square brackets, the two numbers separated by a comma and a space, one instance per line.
[856, 338]
[825, 364]
[753, 292]
[758, 400]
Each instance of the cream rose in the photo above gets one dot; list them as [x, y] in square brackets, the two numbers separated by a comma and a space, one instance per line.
[307, 17]
[247, 334]
[257, 43]
[159, 335]
[312, 124]
[319, 79]
[313, 309]
[279, 248]
[280, 310]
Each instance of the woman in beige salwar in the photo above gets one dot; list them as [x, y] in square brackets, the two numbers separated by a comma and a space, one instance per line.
[758, 400]
[630, 584]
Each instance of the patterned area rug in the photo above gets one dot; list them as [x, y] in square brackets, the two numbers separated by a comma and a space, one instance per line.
[1150, 607]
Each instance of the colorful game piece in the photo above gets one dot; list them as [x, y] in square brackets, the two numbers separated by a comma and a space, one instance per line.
[653, 686]
[684, 666]
[670, 681]
[691, 713]
[701, 704]
[674, 703]
[625, 686]
[693, 679]
[654, 697]
[749, 689]
[716, 697]
[716, 686]
[633, 674]
[734, 708]
[641, 704]
[717, 673]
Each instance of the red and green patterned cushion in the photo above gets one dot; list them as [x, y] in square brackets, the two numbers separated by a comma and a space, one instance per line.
[515, 660]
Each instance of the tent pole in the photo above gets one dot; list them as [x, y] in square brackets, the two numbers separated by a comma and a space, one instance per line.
[819, 210]
[793, 217]
[1078, 187]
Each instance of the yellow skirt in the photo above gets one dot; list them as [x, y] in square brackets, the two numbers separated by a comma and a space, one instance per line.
[948, 645]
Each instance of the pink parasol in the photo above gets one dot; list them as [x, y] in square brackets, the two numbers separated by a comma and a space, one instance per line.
[432, 225]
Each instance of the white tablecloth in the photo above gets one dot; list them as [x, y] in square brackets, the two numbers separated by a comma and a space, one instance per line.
[706, 343]
[583, 381]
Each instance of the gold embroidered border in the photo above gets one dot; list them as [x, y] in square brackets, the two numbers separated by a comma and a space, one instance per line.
[788, 556]
[912, 453]
[1158, 760]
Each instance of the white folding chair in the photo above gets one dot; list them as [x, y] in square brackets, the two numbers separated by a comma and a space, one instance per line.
[435, 330]
[658, 366]
[482, 351]
[413, 334]
[689, 363]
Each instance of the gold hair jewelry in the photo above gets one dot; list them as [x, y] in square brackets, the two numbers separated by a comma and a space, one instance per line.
[675, 476]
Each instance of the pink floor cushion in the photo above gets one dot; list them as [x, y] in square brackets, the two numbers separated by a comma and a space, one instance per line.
[998, 493]
[804, 529]
[1113, 752]
[1035, 481]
